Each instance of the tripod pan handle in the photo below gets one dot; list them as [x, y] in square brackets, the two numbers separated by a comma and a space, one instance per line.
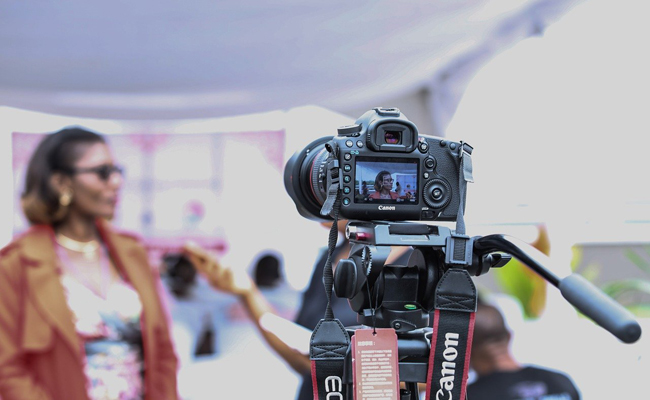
[601, 308]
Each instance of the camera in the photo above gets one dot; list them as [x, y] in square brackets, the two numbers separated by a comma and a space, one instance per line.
[385, 171]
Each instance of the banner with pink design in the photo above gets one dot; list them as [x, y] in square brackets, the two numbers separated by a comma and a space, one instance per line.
[179, 187]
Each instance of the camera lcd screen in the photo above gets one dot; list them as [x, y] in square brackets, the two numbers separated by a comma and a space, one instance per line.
[386, 180]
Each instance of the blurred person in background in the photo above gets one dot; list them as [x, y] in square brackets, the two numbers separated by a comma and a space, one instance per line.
[312, 308]
[192, 328]
[80, 310]
[499, 375]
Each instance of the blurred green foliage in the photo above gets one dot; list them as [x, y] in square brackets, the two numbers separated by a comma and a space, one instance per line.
[632, 293]
[517, 280]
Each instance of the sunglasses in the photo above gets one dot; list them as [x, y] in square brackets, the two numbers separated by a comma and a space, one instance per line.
[104, 172]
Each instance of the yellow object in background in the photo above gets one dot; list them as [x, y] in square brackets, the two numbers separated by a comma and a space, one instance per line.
[521, 282]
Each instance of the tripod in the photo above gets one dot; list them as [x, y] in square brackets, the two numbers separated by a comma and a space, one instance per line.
[402, 297]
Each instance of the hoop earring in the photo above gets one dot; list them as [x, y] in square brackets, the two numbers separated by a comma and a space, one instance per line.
[65, 199]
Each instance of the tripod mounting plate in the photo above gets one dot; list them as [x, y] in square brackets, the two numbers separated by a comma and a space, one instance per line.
[381, 233]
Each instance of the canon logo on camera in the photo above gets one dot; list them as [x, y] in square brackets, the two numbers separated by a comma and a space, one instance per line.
[386, 208]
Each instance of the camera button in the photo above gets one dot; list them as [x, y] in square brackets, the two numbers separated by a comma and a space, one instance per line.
[347, 156]
[452, 146]
[347, 168]
[430, 163]
[423, 146]
[426, 175]
[347, 179]
[346, 190]
[349, 143]
[359, 143]
[346, 201]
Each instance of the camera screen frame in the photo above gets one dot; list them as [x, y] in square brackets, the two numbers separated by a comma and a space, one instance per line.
[403, 170]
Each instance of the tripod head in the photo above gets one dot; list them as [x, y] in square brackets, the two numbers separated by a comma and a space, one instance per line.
[405, 293]
[400, 296]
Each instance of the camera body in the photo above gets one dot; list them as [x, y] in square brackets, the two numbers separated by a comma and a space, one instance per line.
[386, 171]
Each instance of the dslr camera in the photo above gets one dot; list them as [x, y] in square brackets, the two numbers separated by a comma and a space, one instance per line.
[385, 171]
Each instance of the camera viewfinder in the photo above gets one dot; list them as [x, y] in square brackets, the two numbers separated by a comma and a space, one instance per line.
[393, 137]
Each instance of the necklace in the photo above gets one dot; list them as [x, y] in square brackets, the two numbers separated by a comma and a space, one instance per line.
[88, 249]
[78, 269]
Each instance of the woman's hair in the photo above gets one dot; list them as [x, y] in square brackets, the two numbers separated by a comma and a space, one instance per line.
[57, 152]
[379, 180]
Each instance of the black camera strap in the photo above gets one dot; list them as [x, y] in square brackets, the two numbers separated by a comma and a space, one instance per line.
[465, 175]
[329, 344]
[329, 340]
[333, 182]
[455, 305]
[459, 246]
[451, 340]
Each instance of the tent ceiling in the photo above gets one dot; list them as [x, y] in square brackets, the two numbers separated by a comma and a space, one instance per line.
[170, 59]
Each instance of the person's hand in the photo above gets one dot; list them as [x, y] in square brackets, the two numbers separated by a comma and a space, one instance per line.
[219, 276]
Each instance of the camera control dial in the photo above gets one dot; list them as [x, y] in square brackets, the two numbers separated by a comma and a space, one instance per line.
[437, 193]
[350, 130]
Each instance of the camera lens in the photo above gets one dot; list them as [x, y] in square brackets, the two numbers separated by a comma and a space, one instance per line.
[305, 178]
[393, 137]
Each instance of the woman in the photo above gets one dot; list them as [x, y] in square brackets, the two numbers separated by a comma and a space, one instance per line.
[80, 312]
[383, 186]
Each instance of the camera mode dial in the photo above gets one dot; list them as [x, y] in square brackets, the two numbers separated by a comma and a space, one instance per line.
[350, 130]
[437, 193]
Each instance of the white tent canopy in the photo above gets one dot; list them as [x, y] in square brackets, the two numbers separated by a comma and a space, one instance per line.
[205, 59]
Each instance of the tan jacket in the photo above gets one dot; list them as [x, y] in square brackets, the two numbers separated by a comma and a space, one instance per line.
[41, 355]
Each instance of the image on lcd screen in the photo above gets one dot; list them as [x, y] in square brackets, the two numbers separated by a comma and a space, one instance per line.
[386, 180]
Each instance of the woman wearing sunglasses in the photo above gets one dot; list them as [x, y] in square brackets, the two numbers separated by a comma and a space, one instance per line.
[80, 312]
[384, 187]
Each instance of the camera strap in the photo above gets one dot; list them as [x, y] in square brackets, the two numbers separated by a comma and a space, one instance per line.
[455, 305]
[328, 346]
[459, 246]
[332, 181]
[451, 340]
[464, 176]
[329, 340]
